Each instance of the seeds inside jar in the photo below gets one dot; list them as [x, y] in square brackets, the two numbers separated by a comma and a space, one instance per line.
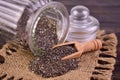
[50, 63]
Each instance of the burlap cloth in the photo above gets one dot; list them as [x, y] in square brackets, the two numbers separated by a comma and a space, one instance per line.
[96, 65]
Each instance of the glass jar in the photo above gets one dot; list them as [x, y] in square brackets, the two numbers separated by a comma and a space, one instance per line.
[23, 26]
[52, 10]
[83, 26]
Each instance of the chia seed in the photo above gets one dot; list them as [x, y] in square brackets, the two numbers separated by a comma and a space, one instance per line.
[50, 63]
[45, 33]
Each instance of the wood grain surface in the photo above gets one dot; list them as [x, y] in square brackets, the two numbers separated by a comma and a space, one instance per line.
[108, 14]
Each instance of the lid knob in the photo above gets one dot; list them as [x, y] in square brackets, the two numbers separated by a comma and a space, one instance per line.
[79, 12]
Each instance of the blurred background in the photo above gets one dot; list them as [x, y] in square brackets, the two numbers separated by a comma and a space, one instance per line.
[108, 14]
[106, 11]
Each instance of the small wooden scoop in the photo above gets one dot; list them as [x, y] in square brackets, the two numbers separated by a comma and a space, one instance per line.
[81, 48]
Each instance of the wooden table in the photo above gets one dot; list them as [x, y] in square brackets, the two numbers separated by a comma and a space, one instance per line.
[108, 13]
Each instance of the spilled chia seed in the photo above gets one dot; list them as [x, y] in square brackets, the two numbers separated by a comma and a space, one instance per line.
[50, 63]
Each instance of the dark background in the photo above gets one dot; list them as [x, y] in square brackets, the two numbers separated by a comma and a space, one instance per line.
[108, 14]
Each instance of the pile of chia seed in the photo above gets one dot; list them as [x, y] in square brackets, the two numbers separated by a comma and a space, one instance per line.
[50, 63]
